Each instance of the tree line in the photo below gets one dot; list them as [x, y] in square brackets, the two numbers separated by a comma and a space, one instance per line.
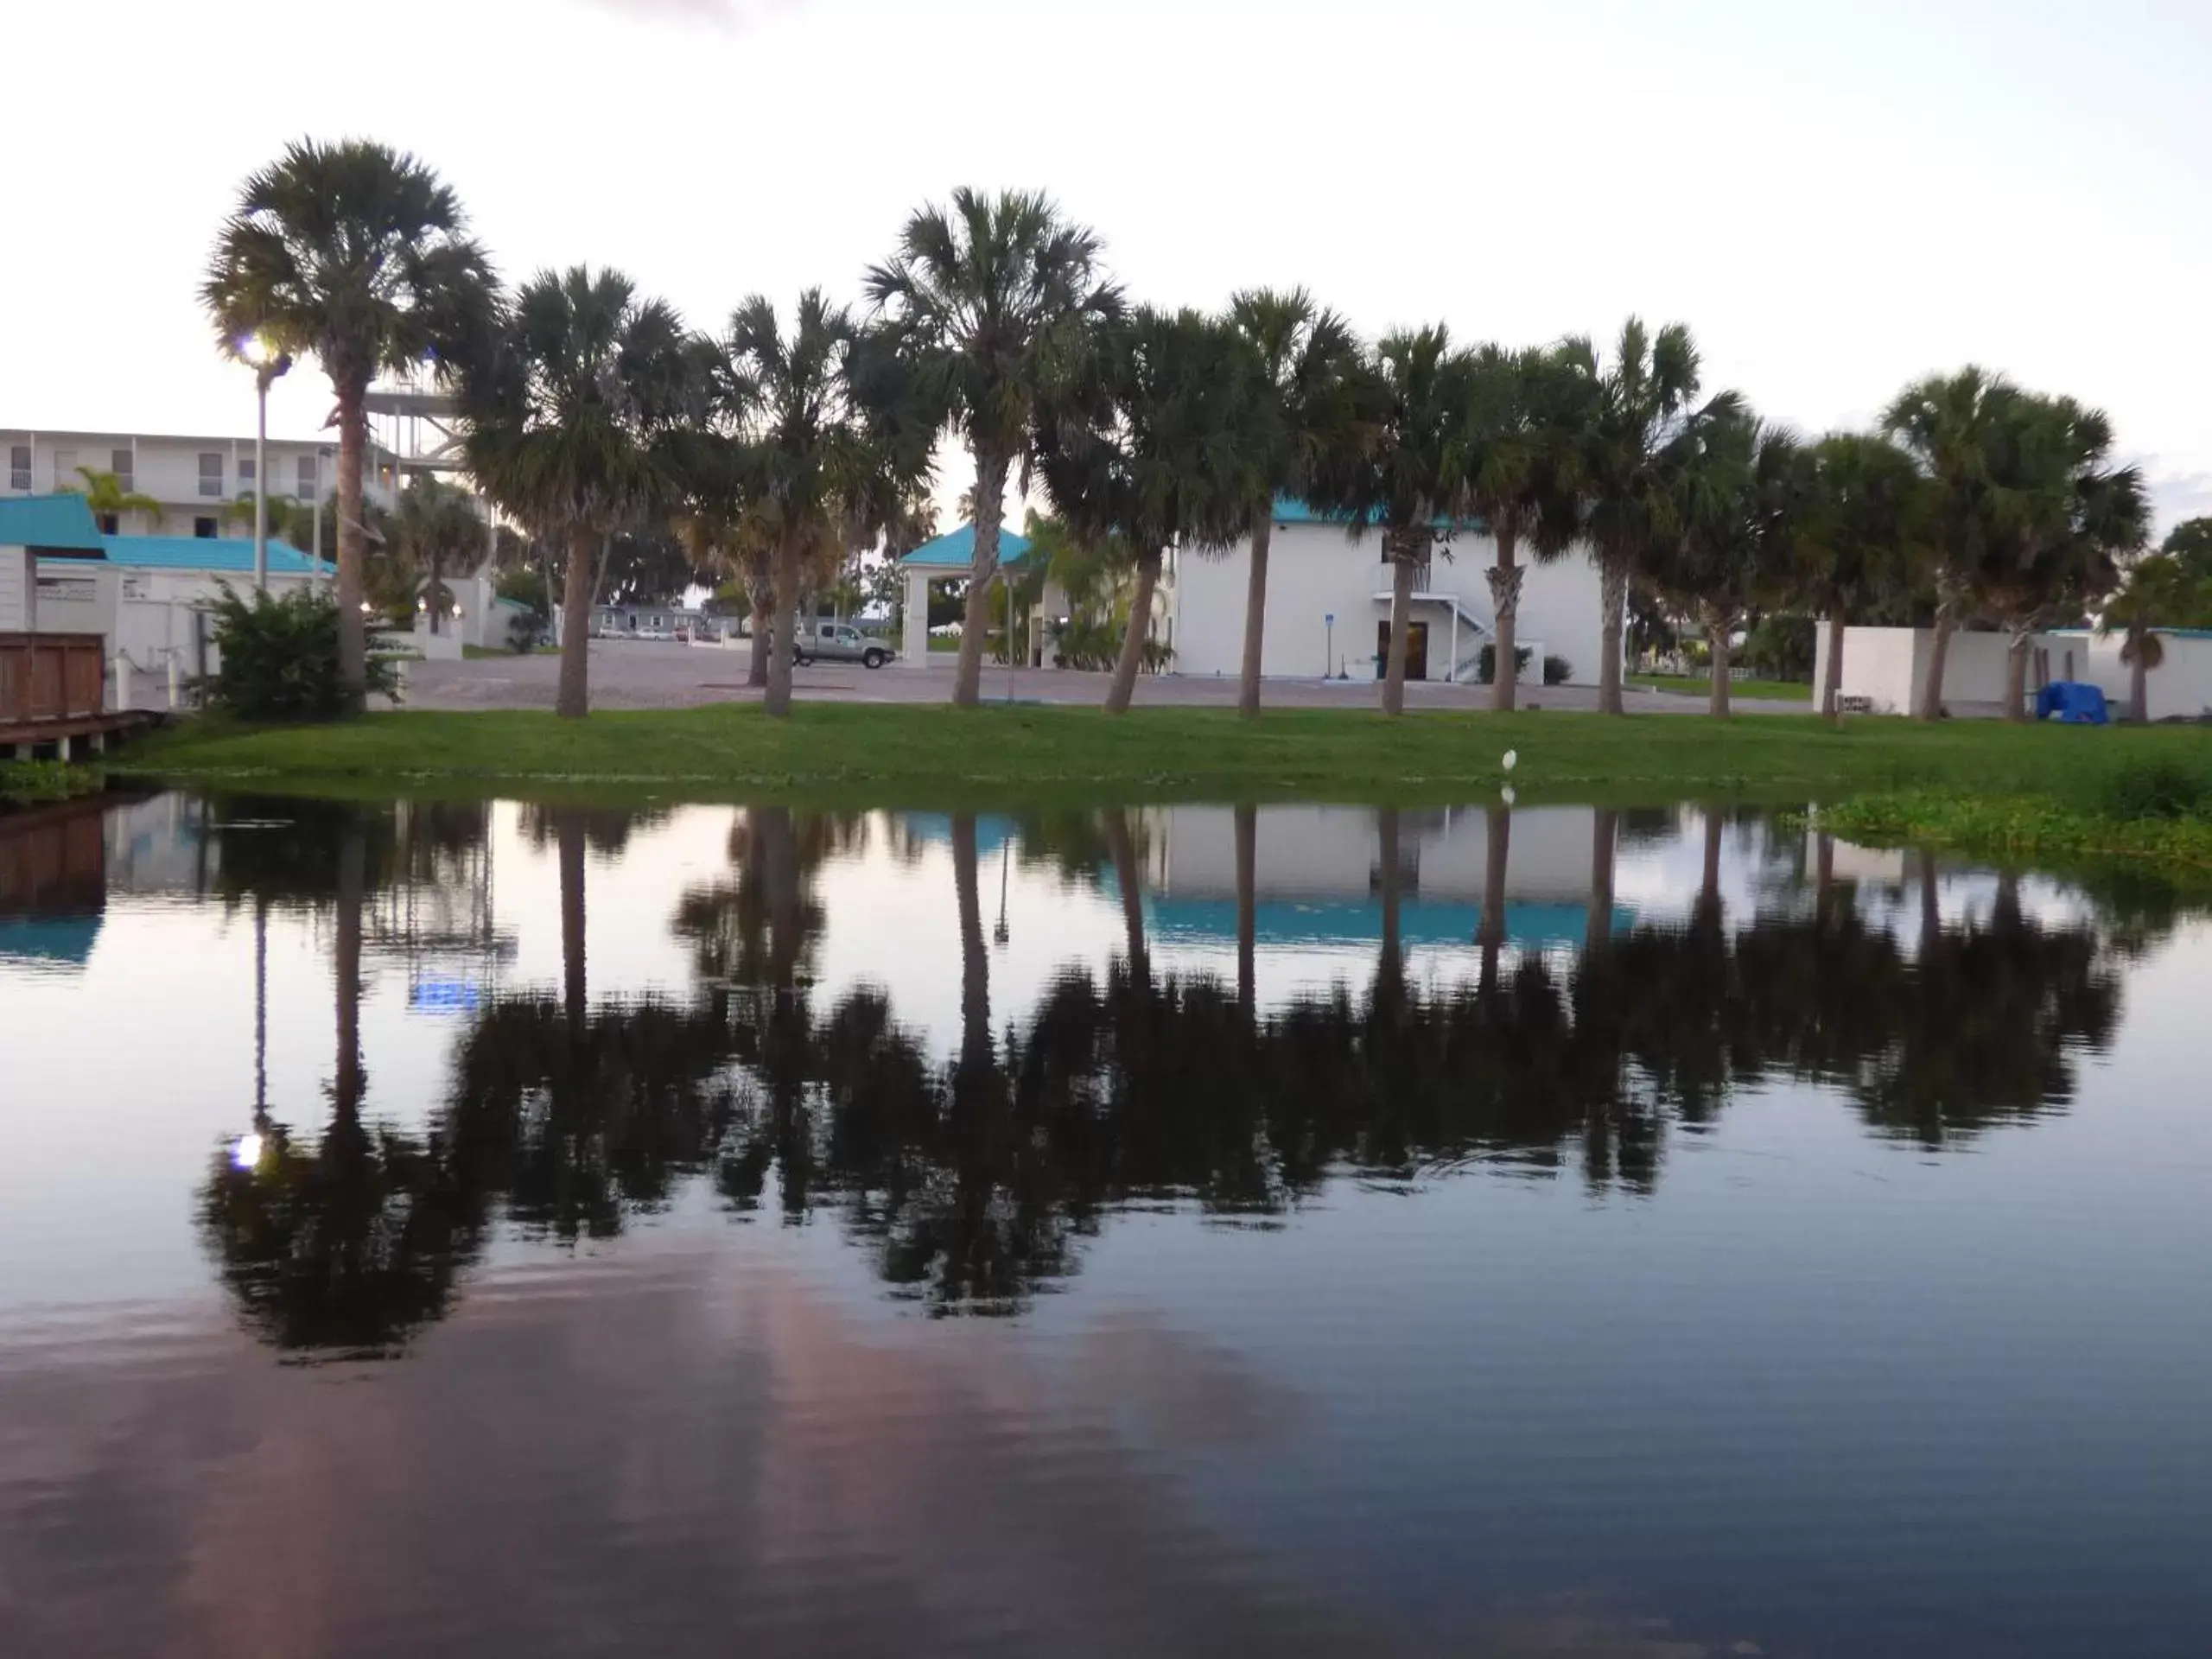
[777, 444]
[973, 1179]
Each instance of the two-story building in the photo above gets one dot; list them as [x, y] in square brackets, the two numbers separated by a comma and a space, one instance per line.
[196, 480]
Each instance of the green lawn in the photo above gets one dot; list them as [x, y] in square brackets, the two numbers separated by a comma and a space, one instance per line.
[1698, 685]
[476, 653]
[923, 755]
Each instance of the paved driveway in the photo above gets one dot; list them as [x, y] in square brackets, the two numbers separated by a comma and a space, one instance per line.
[639, 674]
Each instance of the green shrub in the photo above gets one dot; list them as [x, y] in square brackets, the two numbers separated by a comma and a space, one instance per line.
[1486, 663]
[29, 782]
[1781, 648]
[2154, 789]
[280, 659]
[1557, 670]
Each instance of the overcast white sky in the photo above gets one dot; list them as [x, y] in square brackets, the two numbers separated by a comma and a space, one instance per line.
[1836, 197]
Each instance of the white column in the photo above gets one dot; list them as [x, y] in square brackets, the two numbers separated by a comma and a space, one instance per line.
[914, 641]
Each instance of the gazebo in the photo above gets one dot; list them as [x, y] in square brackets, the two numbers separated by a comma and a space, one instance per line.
[950, 557]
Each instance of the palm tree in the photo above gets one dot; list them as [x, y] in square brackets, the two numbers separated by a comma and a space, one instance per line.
[1864, 534]
[1953, 426]
[1624, 415]
[1304, 411]
[2159, 593]
[1731, 484]
[2063, 555]
[107, 500]
[356, 254]
[825, 467]
[437, 526]
[1140, 439]
[1410, 480]
[570, 411]
[977, 298]
[1518, 480]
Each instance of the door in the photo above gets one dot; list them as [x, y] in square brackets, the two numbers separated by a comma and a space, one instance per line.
[1416, 648]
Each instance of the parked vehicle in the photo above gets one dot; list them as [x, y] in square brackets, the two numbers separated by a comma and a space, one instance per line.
[841, 642]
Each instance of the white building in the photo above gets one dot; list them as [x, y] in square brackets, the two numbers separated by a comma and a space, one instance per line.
[1329, 607]
[196, 479]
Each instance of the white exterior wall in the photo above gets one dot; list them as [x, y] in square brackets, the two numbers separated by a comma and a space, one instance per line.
[18, 586]
[1334, 852]
[1315, 570]
[2179, 688]
[1889, 666]
[167, 468]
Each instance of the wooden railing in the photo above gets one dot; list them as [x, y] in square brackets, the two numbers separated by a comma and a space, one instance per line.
[51, 676]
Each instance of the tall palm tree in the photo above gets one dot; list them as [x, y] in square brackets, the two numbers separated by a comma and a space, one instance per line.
[1731, 489]
[570, 411]
[1519, 480]
[1626, 412]
[2064, 556]
[356, 254]
[1410, 478]
[825, 468]
[1954, 427]
[1304, 411]
[977, 298]
[438, 528]
[1141, 440]
[107, 500]
[1864, 534]
[2159, 593]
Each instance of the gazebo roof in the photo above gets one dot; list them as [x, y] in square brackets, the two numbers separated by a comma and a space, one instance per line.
[956, 550]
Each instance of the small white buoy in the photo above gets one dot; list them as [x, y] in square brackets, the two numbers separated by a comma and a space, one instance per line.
[1512, 759]
[1507, 795]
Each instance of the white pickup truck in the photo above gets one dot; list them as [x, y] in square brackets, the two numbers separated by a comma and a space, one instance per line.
[841, 642]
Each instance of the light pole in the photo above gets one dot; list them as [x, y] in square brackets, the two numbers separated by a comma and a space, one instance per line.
[267, 369]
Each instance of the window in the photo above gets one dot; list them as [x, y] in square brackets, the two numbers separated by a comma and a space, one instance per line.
[245, 469]
[204, 529]
[111, 523]
[210, 474]
[19, 466]
[308, 482]
[123, 464]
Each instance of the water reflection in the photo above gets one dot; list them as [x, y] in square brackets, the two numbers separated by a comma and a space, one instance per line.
[1511, 1012]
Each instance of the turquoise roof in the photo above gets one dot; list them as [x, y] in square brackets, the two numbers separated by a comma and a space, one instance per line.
[60, 522]
[956, 550]
[227, 553]
[1289, 510]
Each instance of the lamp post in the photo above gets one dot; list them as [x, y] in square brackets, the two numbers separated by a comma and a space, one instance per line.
[268, 367]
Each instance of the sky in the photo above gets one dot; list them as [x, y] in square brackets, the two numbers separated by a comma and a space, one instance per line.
[1837, 199]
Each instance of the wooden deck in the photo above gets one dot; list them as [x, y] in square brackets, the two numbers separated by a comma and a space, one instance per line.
[53, 694]
[71, 740]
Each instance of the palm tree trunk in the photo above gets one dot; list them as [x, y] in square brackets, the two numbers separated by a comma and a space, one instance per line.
[1247, 885]
[1505, 604]
[2138, 676]
[1604, 837]
[1389, 967]
[1497, 850]
[1130, 880]
[2019, 641]
[782, 640]
[1832, 682]
[1951, 596]
[1403, 548]
[1708, 892]
[569, 834]
[1823, 874]
[352, 859]
[574, 700]
[757, 673]
[437, 581]
[1612, 579]
[974, 964]
[990, 509]
[1256, 614]
[1719, 629]
[353, 447]
[1132, 657]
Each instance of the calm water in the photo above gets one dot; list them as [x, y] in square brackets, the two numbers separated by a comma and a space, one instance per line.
[496, 1229]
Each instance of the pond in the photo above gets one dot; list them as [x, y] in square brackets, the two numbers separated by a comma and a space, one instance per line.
[497, 1229]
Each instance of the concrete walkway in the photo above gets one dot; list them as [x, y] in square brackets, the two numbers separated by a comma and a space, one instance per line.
[637, 674]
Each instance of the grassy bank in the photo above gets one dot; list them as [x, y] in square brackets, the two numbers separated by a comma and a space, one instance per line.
[2154, 813]
[29, 783]
[925, 755]
[1696, 686]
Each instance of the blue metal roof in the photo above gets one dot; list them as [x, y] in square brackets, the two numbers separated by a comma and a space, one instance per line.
[1289, 510]
[62, 522]
[230, 555]
[1331, 921]
[956, 550]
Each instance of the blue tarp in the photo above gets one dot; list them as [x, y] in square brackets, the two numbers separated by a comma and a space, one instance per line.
[2071, 702]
